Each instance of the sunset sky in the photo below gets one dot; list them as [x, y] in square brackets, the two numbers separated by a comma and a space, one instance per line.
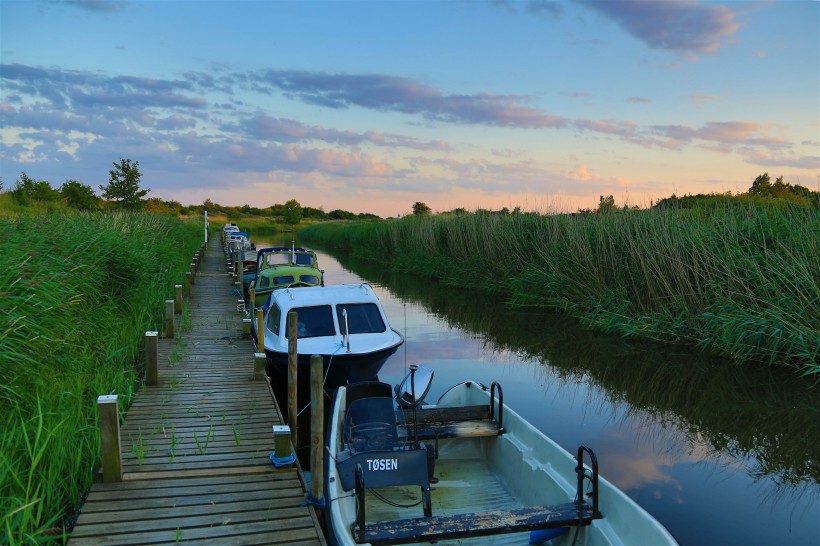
[371, 106]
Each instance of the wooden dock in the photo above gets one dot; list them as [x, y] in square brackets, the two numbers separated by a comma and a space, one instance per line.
[195, 447]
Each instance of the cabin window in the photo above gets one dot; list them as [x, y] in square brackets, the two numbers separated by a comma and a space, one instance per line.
[315, 321]
[309, 279]
[362, 318]
[274, 315]
[264, 282]
[278, 258]
[283, 279]
[304, 259]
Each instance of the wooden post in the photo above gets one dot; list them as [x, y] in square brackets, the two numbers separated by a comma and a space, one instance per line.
[293, 360]
[317, 433]
[151, 358]
[177, 298]
[169, 319]
[258, 366]
[246, 327]
[110, 438]
[252, 301]
[241, 273]
[260, 331]
[187, 284]
[193, 273]
[195, 263]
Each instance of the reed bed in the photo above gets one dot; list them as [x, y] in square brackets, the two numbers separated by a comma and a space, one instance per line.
[77, 293]
[741, 281]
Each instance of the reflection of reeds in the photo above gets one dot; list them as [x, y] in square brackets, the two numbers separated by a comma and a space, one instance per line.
[740, 282]
[748, 412]
[77, 293]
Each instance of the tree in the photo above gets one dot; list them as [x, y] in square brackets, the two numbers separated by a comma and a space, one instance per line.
[292, 212]
[606, 204]
[27, 190]
[420, 208]
[762, 186]
[124, 185]
[79, 196]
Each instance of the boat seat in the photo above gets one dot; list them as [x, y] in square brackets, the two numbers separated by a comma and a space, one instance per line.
[367, 389]
[496, 522]
[456, 422]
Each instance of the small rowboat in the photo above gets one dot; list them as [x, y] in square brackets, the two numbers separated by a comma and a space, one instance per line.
[466, 470]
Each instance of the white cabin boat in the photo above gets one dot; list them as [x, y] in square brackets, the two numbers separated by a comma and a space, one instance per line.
[345, 324]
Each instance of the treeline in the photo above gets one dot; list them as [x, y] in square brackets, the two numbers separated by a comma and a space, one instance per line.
[123, 192]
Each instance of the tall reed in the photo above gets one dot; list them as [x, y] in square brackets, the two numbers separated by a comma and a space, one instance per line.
[77, 294]
[741, 281]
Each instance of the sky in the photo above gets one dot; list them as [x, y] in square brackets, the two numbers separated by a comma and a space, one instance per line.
[371, 106]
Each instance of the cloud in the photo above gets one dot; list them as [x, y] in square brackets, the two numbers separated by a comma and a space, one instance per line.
[639, 100]
[262, 126]
[541, 8]
[676, 25]
[396, 94]
[100, 6]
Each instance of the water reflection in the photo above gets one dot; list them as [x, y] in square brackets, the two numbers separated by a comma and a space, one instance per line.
[767, 417]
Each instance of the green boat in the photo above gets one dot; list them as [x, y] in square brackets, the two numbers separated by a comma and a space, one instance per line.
[284, 267]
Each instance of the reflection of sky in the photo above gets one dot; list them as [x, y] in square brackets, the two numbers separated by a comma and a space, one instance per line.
[701, 496]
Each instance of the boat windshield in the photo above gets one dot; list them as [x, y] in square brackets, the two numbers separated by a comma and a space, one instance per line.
[304, 259]
[314, 321]
[362, 318]
[375, 423]
[277, 258]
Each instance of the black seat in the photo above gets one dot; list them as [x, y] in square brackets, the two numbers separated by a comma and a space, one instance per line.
[367, 389]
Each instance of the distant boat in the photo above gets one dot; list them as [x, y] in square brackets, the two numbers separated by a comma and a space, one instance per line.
[345, 324]
[467, 468]
[282, 267]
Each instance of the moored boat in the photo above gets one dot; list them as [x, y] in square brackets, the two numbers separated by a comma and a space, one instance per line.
[345, 324]
[282, 267]
[466, 470]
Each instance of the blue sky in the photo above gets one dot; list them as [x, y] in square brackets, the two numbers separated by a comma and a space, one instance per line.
[371, 106]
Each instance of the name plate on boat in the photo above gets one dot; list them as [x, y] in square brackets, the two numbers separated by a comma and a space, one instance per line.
[384, 468]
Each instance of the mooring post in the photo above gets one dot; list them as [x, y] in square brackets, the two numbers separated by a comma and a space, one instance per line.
[169, 319]
[195, 263]
[151, 358]
[260, 331]
[241, 273]
[252, 301]
[177, 298]
[193, 273]
[293, 360]
[110, 438]
[187, 284]
[317, 434]
[258, 366]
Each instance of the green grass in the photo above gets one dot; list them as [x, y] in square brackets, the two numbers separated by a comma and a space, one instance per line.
[77, 293]
[741, 281]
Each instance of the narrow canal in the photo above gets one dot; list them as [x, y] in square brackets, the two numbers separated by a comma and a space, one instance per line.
[718, 453]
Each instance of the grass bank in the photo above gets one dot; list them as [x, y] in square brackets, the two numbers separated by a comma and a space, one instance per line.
[77, 293]
[741, 281]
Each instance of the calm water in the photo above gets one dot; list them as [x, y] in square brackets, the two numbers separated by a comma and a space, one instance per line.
[719, 454]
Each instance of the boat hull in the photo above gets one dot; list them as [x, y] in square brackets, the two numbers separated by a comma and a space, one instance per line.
[339, 369]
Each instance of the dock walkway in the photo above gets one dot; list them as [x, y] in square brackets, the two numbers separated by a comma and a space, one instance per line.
[195, 448]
